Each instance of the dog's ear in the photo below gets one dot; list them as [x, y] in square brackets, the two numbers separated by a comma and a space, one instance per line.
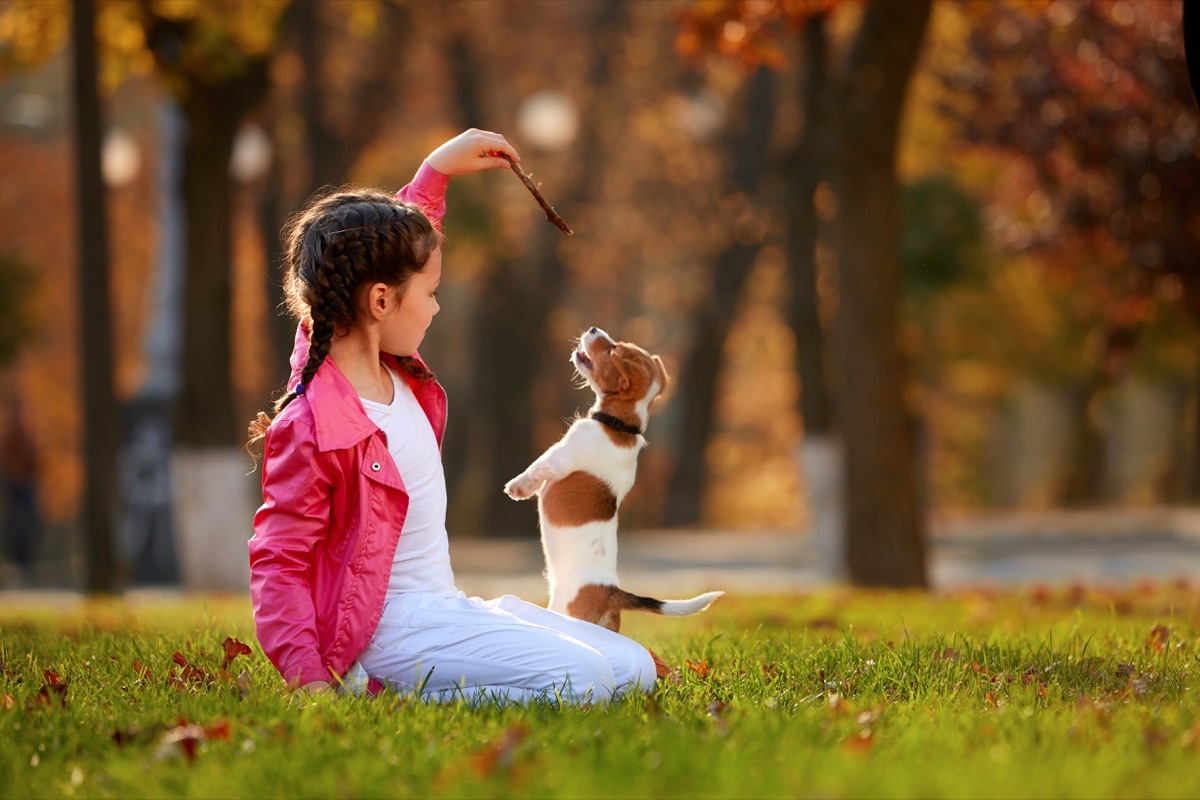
[622, 369]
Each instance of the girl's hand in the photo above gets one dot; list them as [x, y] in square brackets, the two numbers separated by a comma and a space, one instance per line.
[472, 151]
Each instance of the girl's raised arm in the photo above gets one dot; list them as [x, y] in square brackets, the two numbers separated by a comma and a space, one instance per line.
[472, 151]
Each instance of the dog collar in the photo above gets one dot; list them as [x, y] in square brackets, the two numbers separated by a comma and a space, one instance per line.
[614, 423]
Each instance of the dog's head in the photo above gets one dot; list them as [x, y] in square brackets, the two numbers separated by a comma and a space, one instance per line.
[619, 370]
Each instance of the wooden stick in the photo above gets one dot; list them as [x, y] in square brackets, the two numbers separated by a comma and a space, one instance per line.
[551, 214]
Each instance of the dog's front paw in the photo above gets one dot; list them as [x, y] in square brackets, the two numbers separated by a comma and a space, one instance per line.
[521, 487]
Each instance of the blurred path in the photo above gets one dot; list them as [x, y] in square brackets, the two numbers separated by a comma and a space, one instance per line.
[1107, 546]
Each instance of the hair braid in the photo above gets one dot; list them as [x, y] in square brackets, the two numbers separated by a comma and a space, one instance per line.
[338, 243]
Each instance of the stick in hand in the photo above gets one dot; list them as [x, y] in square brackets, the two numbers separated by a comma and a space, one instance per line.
[551, 214]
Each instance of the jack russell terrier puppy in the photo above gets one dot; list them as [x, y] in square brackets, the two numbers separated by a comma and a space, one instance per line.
[582, 479]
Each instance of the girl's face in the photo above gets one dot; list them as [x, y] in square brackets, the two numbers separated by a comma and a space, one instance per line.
[404, 327]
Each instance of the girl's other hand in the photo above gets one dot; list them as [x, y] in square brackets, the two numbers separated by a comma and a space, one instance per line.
[472, 151]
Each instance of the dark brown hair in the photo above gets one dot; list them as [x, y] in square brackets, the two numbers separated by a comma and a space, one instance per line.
[335, 245]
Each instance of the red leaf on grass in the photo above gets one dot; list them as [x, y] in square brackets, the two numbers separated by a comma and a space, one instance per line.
[1159, 635]
[190, 672]
[141, 670]
[701, 668]
[233, 649]
[53, 688]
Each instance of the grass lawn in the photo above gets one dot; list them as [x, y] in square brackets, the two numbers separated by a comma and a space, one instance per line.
[1072, 692]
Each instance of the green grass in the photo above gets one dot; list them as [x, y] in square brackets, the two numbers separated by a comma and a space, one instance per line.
[1078, 692]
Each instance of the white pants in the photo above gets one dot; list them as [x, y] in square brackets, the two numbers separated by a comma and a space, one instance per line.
[504, 649]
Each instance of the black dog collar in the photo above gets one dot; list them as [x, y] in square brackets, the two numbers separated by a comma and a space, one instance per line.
[614, 423]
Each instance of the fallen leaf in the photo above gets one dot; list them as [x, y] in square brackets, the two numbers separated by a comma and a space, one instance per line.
[701, 668]
[190, 672]
[217, 730]
[1159, 635]
[53, 688]
[140, 670]
[8, 702]
[860, 743]
[233, 649]
[184, 738]
[662, 669]
[501, 753]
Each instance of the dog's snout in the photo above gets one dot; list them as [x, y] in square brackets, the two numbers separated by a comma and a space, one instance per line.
[593, 330]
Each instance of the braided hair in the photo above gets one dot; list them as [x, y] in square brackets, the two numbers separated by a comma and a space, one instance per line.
[335, 245]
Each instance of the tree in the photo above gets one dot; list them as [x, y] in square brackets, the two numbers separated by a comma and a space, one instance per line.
[747, 154]
[215, 63]
[884, 511]
[1093, 101]
[884, 535]
[99, 406]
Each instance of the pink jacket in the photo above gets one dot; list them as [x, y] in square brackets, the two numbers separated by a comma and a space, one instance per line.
[333, 508]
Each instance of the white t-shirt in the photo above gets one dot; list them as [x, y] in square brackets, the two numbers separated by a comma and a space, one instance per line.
[422, 560]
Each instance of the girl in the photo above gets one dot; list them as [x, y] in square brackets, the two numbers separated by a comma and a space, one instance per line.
[350, 572]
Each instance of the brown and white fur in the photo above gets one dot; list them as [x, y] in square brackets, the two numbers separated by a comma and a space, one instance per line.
[582, 479]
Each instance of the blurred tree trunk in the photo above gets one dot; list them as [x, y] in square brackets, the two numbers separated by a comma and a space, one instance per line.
[885, 525]
[99, 405]
[746, 152]
[519, 294]
[213, 107]
[820, 451]
[334, 139]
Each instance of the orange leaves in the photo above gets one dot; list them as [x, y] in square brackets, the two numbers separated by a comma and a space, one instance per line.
[744, 31]
[700, 668]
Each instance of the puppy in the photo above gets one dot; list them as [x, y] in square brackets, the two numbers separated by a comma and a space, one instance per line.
[582, 479]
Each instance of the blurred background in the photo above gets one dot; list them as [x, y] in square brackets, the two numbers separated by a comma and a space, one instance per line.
[906, 262]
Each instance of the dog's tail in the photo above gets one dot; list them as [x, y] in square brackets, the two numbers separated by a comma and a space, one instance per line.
[670, 608]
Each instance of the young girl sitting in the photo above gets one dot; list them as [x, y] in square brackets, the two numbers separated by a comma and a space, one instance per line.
[350, 572]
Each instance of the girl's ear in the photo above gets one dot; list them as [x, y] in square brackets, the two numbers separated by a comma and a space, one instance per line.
[379, 300]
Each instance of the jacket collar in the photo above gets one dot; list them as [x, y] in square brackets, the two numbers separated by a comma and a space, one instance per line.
[339, 419]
